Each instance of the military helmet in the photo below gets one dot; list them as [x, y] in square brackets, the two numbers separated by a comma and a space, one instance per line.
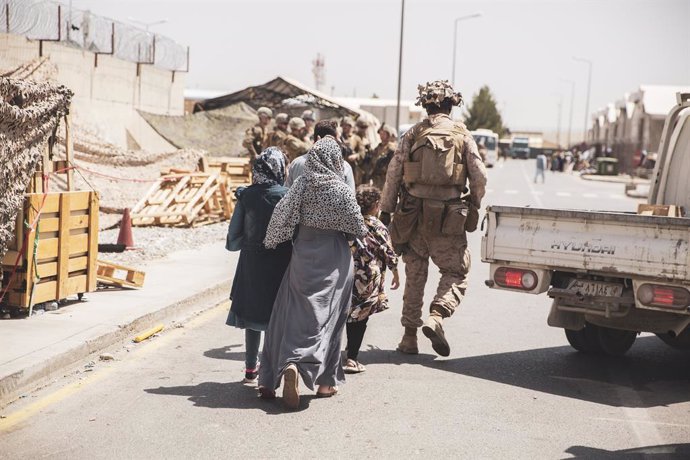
[265, 111]
[282, 118]
[362, 123]
[389, 129]
[308, 115]
[347, 121]
[296, 123]
[436, 92]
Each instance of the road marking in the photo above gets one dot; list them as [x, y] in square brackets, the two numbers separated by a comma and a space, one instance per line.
[510, 192]
[98, 374]
[537, 192]
[590, 195]
[616, 196]
[489, 190]
[563, 194]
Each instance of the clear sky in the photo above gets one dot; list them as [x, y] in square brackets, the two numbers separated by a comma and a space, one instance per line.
[522, 49]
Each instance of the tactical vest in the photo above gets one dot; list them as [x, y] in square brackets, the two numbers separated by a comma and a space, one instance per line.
[435, 168]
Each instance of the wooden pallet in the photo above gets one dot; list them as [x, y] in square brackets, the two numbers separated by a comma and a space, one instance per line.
[112, 274]
[660, 210]
[234, 171]
[66, 249]
[184, 199]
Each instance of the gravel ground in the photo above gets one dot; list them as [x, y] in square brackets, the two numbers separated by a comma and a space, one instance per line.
[156, 242]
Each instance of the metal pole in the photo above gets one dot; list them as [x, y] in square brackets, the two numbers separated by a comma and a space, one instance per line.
[560, 112]
[455, 48]
[397, 109]
[570, 122]
[589, 84]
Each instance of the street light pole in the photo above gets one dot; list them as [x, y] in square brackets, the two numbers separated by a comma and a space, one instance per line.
[572, 100]
[589, 84]
[397, 108]
[455, 39]
[560, 112]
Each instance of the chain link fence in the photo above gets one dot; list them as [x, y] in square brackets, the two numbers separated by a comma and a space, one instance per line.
[52, 21]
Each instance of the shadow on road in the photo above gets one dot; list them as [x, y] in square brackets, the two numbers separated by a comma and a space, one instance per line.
[227, 352]
[651, 375]
[665, 452]
[231, 395]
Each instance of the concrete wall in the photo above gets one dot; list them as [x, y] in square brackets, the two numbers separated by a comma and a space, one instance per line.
[107, 95]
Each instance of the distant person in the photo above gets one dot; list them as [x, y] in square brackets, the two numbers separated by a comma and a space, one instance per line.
[359, 143]
[255, 137]
[276, 138]
[304, 335]
[481, 148]
[295, 145]
[321, 130]
[372, 255]
[259, 270]
[541, 167]
[309, 121]
[377, 161]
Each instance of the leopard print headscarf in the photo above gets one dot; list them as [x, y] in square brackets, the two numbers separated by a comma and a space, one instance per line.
[319, 198]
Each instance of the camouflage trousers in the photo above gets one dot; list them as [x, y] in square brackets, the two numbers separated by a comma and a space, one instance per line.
[451, 256]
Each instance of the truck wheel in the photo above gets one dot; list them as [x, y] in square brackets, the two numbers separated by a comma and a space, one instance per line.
[615, 342]
[585, 340]
[679, 342]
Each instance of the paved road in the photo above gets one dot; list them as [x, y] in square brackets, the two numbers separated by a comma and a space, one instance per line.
[511, 388]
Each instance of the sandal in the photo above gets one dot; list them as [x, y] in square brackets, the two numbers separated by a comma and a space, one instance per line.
[333, 392]
[291, 387]
[353, 367]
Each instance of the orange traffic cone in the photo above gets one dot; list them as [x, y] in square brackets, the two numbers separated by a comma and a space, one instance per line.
[125, 236]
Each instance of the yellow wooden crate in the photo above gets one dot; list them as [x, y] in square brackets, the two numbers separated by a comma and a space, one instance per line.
[66, 250]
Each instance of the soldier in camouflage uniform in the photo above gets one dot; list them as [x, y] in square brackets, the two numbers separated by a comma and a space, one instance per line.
[276, 138]
[376, 163]
[295, 145]
[426, 188]
[309, 121]
[359, 143]
[255, 137]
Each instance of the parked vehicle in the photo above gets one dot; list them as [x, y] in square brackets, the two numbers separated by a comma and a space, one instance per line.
[519, 148]
[611, 275]
[490, 140]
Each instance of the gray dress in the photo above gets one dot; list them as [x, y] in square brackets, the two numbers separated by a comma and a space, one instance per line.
[310, 311]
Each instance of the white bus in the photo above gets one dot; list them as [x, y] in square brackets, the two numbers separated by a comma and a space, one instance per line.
[490, 140]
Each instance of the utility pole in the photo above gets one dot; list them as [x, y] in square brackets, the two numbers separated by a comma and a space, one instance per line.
[397, 109]
[560, 111]
[572, 100]
[589, 84]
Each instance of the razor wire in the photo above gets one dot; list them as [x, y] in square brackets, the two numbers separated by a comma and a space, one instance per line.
[52, 21]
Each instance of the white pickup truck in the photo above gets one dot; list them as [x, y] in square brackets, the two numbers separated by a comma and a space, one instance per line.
[611, 275]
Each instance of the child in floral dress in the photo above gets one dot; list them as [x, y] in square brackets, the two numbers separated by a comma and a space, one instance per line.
[372, 255]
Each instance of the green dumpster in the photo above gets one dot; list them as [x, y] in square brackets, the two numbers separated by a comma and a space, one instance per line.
[607, 166]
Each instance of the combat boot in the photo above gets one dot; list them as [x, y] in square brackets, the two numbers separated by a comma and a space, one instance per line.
[433, 330]
[408, 344]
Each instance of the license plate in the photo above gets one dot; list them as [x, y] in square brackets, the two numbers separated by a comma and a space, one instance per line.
[596, 288]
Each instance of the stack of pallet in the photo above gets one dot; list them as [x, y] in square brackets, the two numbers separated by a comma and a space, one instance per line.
[187, 199]
[234, 171]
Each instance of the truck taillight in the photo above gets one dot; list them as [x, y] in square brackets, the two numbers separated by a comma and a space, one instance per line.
[516, 278]
[658, 295]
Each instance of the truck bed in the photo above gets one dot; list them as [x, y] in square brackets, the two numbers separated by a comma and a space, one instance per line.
[608, 243]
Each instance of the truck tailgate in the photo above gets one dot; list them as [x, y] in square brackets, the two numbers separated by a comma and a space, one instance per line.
[615, 244]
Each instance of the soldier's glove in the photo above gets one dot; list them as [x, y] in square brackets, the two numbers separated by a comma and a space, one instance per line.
[385, 218]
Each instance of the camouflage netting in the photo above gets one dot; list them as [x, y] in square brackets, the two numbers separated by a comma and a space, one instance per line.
[29, 115]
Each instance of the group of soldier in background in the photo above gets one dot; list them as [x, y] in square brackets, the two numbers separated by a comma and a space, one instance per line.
[295, 136]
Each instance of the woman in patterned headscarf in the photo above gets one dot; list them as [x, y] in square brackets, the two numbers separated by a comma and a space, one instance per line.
[259, 270]
[303, 336]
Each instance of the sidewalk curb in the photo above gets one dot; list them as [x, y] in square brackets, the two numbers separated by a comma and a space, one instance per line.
[14, 385]
[614, 179]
